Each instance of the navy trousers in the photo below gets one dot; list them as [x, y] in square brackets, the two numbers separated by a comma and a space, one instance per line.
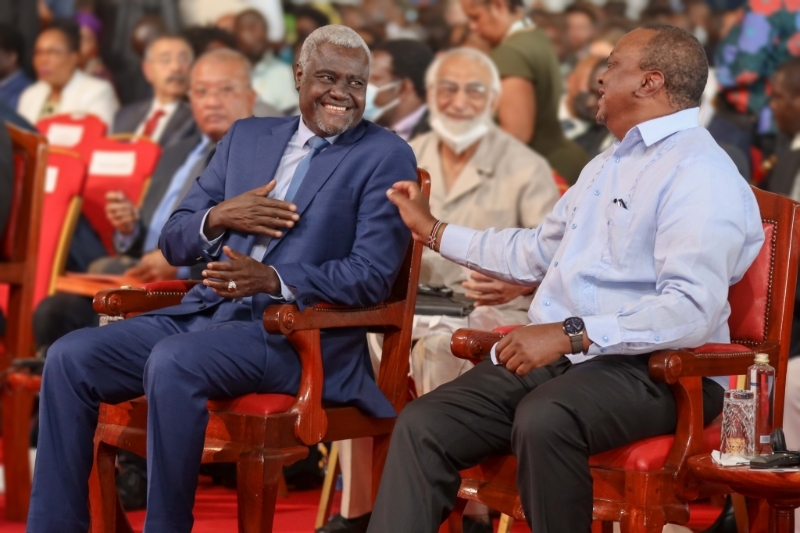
[178, 363]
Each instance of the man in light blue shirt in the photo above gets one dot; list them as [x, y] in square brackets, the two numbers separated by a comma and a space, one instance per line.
[637, 256]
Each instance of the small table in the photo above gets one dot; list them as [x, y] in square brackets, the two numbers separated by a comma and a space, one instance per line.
[780, 489]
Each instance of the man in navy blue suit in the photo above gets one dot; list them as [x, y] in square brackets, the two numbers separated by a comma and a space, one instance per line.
[289, 209]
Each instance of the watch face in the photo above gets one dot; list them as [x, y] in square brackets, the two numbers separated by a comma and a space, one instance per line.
[573, 325]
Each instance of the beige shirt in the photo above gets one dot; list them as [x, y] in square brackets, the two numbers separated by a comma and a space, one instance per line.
[505, 185]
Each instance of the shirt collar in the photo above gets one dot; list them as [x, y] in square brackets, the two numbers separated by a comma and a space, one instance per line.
[167, 108]
[660, 128]
[795, 143]
[406, 125]
[304, 134]
[522, 24]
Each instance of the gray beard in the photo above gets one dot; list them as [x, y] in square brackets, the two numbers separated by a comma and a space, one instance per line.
[331, 132]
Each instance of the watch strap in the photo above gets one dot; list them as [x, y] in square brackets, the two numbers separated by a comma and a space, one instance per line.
[577, 342]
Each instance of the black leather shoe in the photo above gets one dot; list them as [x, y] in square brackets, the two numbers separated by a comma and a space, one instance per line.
[340, 524]
[476, 526]
[726, 523]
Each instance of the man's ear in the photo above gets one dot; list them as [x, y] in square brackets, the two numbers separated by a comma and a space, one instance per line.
[652, 82]
[298, 74]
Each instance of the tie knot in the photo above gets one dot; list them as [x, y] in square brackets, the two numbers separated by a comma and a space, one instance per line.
[317, 143]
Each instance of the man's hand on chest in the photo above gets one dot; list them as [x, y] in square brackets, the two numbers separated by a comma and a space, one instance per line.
[251, 212]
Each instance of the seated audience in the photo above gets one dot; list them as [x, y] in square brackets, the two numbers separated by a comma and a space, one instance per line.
[637, 257]
[481, 177]
[531, 82]
[13, 80]
[582, 26]
[167, 117]
[596, 138]
[290, 236]
[307, 20]
[273, 79]
[90, 61]
[396, 98]
[62, 86]
[9, 114]
[137, 230]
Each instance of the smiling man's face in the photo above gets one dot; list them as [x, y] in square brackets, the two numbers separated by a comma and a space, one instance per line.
[333, 88]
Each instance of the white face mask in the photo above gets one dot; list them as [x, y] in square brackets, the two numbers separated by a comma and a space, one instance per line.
[371, 111]
[459, 135]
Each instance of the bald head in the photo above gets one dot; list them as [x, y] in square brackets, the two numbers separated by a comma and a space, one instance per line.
[220, 91]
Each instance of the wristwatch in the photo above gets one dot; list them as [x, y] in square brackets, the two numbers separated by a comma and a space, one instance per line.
[574, 328]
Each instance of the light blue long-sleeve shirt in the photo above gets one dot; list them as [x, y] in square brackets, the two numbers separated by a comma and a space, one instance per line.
[649, 275]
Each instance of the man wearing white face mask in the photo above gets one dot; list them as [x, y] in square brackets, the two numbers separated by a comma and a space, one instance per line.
[481, 177]
[396, 89]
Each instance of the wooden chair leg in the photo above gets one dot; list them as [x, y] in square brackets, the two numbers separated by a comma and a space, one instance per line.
[505, 524]
[258, 475]
[328, 487]
[17, 407]
[283, 489]
[599, 526]
[740, 513]
[107, 514]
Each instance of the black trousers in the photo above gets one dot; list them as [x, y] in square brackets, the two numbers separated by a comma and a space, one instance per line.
[553, 419]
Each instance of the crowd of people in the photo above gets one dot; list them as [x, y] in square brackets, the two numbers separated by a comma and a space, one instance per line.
[498, 100]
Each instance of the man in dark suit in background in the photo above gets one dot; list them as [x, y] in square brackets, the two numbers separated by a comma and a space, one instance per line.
[137, 231]
[289, 209]
[166, 118]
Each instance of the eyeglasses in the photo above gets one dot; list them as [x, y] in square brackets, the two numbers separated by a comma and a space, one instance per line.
[225, 91]
[475, 91]
[50, 52]
[166, 59]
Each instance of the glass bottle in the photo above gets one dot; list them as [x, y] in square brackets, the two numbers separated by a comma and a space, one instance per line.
[761, 381]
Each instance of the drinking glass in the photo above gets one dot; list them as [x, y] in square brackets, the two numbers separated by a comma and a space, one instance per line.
[738, 423]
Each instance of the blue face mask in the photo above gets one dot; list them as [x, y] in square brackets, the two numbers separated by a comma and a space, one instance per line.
[371, 111]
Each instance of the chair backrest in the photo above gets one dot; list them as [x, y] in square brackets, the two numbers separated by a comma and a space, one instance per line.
[20, 243]
[64, 180]
[116, 166]
[762, 302]
[397, 343]
[73, 131]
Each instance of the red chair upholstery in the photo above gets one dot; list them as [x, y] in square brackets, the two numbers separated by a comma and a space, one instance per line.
[66, 173]
[646, 484]
[116, 166]
[18, 250]
[73, 131]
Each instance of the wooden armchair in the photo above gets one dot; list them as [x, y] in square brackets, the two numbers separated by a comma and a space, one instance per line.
[263, 432]
[18, 256]
[647, 484]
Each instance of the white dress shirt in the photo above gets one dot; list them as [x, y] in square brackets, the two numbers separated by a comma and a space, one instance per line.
[169, 110]
[296, 151]
[649, 275]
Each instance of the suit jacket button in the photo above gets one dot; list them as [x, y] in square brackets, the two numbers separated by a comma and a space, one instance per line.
[202, 306]
[198, 259]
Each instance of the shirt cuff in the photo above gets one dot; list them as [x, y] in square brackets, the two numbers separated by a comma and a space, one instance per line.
[455, 241]
[603, 330]
[213, 246]
[123, 242]
[493, 355]
[288, 294]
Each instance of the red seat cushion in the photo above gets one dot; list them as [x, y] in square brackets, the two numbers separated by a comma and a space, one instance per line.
[254, 404]
[650, 454]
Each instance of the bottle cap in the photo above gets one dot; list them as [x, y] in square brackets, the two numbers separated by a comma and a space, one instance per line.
[762, 358]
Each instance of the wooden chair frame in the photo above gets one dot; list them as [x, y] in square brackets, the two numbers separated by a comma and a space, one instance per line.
[261, 444]
[19, 272]
[644, 501]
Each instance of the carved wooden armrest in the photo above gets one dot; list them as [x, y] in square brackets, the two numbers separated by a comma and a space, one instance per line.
[708, 360]
[127, 302]
[302, 329]
[473, 344]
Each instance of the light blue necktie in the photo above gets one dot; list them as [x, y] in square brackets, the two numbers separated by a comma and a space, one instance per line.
[317, 144]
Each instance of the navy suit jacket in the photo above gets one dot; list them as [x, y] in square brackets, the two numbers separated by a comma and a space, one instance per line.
[346, 249]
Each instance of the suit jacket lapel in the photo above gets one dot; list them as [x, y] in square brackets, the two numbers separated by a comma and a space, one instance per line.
[135, 117]
[171, 161]
[177, 123]
[322, 166]
[271, 147]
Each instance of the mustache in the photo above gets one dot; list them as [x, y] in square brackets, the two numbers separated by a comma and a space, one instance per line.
[180, 78]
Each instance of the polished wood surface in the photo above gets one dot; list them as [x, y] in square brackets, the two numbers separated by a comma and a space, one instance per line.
[262, 444]
[780, 489]
[644, 501]
[18, 270]
[91, 284]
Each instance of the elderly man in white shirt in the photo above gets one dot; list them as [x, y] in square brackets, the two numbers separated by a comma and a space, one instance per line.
[637, 256]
